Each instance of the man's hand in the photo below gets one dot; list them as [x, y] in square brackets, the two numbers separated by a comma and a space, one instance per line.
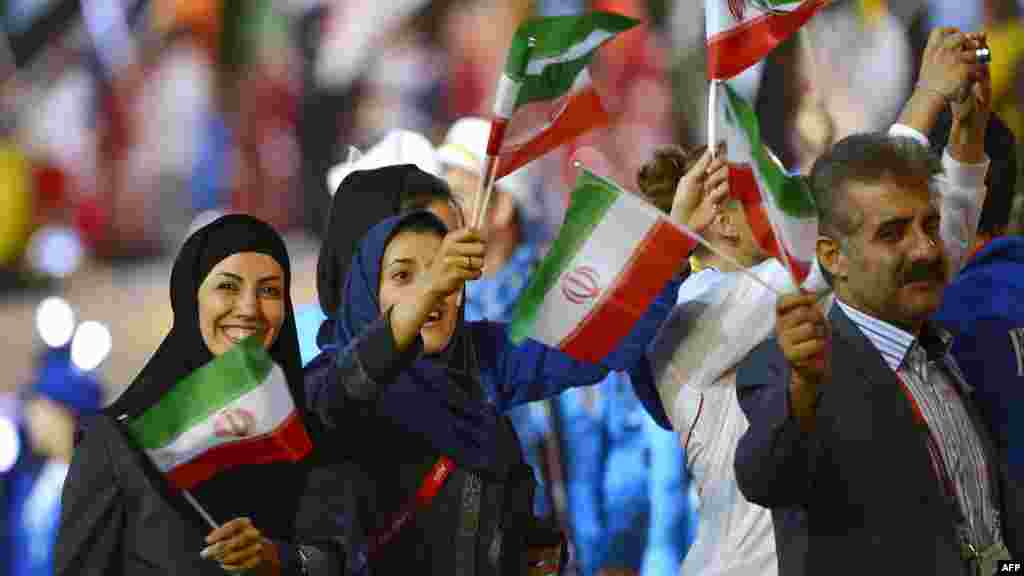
[803, 335]
[701, 192]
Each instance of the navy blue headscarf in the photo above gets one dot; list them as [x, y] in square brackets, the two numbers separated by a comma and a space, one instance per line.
[361, 303]
[452, 374]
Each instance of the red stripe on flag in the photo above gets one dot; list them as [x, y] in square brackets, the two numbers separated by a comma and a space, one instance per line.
[288, 442]
[655, 261]
[497, 136]
[582, 112]
[734, 50]
[743, 187]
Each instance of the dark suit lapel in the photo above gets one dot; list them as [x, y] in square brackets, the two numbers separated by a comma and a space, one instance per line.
[890, 410]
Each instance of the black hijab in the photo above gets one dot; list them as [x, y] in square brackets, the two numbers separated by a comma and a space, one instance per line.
[363, 199]
[229, 494]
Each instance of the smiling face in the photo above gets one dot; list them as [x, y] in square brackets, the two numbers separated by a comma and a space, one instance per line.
[242, 295]
[406, 261]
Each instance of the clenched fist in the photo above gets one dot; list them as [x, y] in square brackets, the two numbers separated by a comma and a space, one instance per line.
[803, 334]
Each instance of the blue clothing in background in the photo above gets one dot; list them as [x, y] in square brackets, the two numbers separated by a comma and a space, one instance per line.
[493, 298]
[307, 322]
[212, 176]
[32, 487]
[984, 309]
[629, 501]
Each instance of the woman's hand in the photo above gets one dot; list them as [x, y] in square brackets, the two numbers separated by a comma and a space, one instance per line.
[460, 258]
[700, 193]
[239, 546]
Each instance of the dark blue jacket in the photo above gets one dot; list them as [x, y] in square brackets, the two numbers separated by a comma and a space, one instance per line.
[984, 309]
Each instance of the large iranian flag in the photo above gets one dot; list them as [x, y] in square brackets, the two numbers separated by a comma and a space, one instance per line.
[548, 63]
[741, 33]
[235, 410]
[613, 255]
[779, 206]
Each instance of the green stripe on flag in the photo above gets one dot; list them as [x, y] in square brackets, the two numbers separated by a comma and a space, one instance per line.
[556, 37]
[192, 400]
[592, 197]
[790, 194]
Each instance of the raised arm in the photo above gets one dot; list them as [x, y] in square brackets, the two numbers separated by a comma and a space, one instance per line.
[951, 77]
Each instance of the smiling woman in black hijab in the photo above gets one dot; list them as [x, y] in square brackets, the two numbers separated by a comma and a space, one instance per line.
[230, 281]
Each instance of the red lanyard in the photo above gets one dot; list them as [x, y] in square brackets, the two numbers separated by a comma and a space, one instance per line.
[431, 485]
[938, 462]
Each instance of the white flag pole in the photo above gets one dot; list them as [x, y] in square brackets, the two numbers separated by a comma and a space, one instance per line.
[713, 86]
[202, 511]
[504, 105]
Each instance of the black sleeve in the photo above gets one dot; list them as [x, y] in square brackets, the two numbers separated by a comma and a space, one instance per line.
[377, 359]
[92, 519]
[327, 525]
[342, 383]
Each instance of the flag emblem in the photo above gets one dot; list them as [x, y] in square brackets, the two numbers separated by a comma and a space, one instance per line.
[581, 285]
[234, 422]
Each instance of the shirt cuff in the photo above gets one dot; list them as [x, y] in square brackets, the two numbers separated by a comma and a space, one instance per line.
[908, 132]
[961, 175]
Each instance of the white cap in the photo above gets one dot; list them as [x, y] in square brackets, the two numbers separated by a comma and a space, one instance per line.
[397, 147]
[465, 146]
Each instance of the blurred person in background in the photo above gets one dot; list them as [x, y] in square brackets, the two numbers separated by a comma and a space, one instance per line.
[265, 95]
[173, 107]
[627, 486]
[403, 83]
[51, 407]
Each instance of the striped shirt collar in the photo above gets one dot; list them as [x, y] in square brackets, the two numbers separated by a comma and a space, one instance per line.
[892, 342]
[895, 343]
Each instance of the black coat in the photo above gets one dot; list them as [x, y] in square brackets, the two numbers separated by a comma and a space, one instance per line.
[864, 477]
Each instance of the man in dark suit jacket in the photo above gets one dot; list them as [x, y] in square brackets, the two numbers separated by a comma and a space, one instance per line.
[863, 420]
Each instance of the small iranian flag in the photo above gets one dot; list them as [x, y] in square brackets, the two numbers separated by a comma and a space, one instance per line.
[613, 255]
[235, 410]
[547, 62]
[779, 207]
[741, 33]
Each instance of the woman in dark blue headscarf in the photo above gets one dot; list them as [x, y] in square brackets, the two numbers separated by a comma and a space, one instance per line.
[401, 341]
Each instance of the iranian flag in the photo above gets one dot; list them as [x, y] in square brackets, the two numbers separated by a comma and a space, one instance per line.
[547, 63]
[741, 33]
[779, 207]
[237, 409]
[613, 255]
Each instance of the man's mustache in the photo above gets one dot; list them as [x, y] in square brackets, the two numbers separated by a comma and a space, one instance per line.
[927, 271]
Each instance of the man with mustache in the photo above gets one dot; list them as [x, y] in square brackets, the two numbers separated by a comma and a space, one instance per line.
[863, 419]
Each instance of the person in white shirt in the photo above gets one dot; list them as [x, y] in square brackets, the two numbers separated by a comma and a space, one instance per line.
[723, 314]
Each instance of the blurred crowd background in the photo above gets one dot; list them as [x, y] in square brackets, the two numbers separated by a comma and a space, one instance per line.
[125, 123]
